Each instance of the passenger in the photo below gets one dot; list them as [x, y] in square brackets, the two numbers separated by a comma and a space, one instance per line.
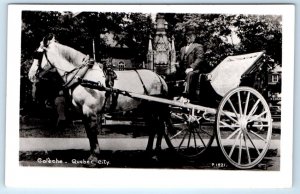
[191, 63]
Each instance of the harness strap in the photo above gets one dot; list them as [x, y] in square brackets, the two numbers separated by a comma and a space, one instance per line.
[66, 74]
[39, 56]
[111, 94]
[145, 89]
[161, 85]
[80, 72]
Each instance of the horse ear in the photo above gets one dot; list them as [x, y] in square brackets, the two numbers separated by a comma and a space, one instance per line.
[48, 39]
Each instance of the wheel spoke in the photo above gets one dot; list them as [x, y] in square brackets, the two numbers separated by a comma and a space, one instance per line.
[177, 134]
[240, 103]
[182, 139]
[195, 140]
[252, 143]
[177, 116]
[260, 137]
[227, 125]
[257, 116]
[240, 149]
[260, 126]
[235, 141]
[236, 114]
[185, 117]
[247, 149]
[201, 139]
[205, 132]
[233, 133]
[225, 113]
[247, 102]
[190, 135]
[254, 108]
[168, 141]
[178, 124]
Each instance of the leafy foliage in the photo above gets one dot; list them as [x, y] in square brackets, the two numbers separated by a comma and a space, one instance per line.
[260, 33]
[223, 35]
[220, 34]
[215, 31]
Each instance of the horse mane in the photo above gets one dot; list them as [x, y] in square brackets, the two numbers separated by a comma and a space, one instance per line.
[71, 55]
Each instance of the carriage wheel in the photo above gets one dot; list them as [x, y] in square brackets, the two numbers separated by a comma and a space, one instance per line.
[244, 127]
[188, 135]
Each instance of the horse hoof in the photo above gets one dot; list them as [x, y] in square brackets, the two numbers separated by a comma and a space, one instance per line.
[92, 161]
[155, 158]
[97, 150]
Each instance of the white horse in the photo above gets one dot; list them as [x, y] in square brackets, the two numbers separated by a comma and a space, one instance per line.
[71, 64]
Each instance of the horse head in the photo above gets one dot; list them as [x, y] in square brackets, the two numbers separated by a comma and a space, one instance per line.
[39, 61]
[52, 55]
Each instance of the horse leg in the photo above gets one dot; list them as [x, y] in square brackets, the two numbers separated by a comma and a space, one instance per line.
[152, 133]
[99, 122]
[90, 123]
[156, 122]
[160, 132]
[163, 121]
[150, 141]
[156, 128]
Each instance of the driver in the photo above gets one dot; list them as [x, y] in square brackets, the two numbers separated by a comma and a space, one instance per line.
[191, 62]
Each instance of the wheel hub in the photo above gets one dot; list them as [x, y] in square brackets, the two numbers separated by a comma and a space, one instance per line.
[243, 123]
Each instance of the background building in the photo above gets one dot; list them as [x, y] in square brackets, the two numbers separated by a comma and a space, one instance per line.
[161, 56]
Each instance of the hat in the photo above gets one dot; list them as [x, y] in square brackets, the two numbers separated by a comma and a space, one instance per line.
[190, 30]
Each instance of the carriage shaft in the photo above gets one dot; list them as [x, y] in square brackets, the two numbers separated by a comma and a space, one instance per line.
[194, 107]
[173, 103]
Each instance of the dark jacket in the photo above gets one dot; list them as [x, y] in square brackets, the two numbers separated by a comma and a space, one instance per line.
[193, 58]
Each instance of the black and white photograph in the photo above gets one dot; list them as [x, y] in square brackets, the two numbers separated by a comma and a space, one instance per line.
[151, 88]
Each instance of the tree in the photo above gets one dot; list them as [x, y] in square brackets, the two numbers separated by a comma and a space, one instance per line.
[217, 32]
[35, 25]
[135, 31]
[260, 32]
[210, 29]
[255, 32]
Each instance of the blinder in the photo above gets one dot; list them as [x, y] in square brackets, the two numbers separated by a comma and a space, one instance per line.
[38, 55]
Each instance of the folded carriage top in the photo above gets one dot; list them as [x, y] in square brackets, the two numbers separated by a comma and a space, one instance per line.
[227, 75]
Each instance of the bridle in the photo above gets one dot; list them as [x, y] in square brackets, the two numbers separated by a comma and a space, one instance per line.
[38, 55]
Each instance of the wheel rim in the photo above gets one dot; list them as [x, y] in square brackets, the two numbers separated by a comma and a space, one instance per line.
[244, 127]
[189, 137]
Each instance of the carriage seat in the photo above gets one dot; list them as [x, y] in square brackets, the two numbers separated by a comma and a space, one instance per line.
[202, 93]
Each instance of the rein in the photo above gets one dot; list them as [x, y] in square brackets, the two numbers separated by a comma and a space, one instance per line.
[77, 69]
[39, 56]
[65, 76]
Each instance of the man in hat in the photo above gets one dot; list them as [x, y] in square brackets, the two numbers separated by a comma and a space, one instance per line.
[191, 62]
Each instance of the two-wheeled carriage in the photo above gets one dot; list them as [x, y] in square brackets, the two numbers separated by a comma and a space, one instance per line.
[241, 121]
